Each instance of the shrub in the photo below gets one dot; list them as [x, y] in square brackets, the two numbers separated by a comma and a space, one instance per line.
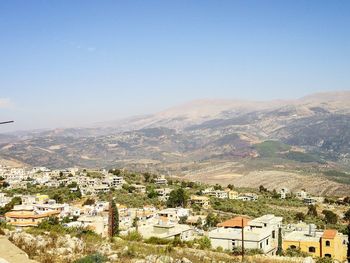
[132, 236]
[89, 201]
[158, 241]
[295, 252]
[324, 260]
[204, 243]
[94, 258]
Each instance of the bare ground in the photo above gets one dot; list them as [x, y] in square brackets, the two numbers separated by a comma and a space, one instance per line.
[274, 179]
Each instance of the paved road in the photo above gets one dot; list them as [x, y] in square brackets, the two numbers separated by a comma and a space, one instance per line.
[9, 253]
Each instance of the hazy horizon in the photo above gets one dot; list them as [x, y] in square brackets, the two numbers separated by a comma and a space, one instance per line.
[75, 63]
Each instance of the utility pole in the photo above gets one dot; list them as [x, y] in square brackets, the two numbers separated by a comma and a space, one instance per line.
[242, 239]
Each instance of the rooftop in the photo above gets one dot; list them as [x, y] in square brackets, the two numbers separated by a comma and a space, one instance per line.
[235, 222]
[329, 234]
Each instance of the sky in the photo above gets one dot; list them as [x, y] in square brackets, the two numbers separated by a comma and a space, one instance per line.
[69, 63]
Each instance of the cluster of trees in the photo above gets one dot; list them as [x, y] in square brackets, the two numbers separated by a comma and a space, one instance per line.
[8, 207]
[329, 217]
[177, 198]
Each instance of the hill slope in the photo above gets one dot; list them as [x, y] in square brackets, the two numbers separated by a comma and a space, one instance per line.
[309, 136]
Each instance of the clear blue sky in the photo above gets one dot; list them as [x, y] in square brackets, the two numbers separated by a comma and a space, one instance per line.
[69, 62]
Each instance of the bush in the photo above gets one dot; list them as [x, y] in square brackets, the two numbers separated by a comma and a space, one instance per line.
[132, 236]
[95, 258]
[295, 252]
[324, 260]
[158, 241]
[204, 243]
[89, 201]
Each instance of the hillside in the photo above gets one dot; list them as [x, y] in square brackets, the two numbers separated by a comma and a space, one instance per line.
[208, 139]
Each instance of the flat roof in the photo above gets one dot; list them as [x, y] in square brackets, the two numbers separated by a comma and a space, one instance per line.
[303, 236]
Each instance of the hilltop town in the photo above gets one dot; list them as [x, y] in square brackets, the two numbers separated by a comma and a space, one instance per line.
[64, 215]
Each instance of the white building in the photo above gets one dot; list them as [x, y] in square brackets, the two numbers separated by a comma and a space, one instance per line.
[161, 181]
[283, 192]
[260, 233]
[167, 231]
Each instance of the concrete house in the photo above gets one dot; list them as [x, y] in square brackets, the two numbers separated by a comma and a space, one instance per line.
[259, 233]
[318, 243]
[202, 201]
[23, 216]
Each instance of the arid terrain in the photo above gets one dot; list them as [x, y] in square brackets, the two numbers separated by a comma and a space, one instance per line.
[226, 141]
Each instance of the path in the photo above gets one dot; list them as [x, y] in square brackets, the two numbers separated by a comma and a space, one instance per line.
[9, 253]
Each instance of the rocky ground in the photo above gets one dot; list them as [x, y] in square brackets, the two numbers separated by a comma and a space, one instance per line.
[50, 248]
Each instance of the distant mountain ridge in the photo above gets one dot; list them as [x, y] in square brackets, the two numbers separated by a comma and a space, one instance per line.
[205, 132]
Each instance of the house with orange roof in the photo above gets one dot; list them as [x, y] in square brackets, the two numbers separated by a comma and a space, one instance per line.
[258, 233]
[23, 216]
[236, 222]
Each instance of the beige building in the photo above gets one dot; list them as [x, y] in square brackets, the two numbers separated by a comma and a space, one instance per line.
[202, 201]
[25, 216]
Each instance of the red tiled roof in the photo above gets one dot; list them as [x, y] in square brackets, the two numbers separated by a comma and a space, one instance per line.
[329, 233]
[234, 222]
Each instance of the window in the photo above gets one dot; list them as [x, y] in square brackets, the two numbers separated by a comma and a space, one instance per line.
[312, 249]
[273, 234]
[328, 255]
[293, 247]
[328, 243]
[267, 241]
[233, 243]
[260, 244]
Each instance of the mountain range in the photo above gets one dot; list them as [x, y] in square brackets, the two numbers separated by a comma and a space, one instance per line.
[246, 143]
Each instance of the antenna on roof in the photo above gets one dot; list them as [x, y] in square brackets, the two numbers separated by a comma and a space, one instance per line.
[5, 122]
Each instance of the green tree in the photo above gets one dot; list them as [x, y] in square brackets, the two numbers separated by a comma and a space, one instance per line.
[151, 192]
[114, 220]
[279, 246]
[183, 220]
[199, 223]
[58, 198]
[262, 189]
[9, 206]
[5, 184]
[230, 186]
[78, 193]
[115, 171]
[312, 211]
[347, 215]
[89, 201]
[211, 220]
[204, 243]
[147, 177]
[330, 217]
[135, 223]
[177, 198]
[275, 194]
[300, 216]
[217, 187]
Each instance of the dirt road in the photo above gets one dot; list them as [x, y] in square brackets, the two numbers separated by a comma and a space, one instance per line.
[9, 253]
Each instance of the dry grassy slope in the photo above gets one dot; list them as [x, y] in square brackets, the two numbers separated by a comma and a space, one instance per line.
[11, 163]
[273, 179]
